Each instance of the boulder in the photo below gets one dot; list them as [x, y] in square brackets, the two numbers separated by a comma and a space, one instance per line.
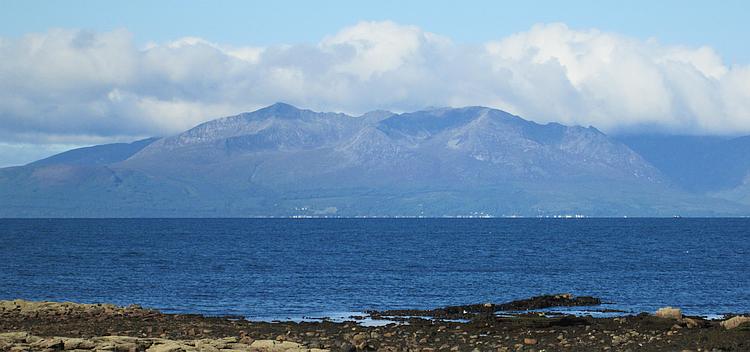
[734, 322]
[669, 313]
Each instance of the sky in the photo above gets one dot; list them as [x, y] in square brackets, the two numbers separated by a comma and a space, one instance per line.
[76, 73]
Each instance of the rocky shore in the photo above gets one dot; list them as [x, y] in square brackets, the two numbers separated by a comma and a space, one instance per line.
[51, 326]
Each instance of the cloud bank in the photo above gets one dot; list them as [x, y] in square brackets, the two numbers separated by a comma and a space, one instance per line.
[74, 86]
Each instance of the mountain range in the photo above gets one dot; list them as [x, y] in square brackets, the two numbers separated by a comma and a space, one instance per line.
[471, 161]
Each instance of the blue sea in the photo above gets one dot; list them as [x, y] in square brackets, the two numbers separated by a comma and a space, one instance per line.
[294, 268]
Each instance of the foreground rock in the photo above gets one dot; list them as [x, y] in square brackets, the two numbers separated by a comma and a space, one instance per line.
[46, 326]
[22, 341]
[735, 322]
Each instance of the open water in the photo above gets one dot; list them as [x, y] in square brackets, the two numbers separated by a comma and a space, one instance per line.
[292, 268]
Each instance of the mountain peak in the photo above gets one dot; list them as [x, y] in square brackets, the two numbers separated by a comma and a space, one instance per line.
[376, 115]
[281, 109]
[282, 105]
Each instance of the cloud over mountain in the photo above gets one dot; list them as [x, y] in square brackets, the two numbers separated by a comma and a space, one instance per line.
[70, 86]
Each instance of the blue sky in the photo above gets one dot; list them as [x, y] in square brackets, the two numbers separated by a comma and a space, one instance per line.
[720, 24]
[76, 73]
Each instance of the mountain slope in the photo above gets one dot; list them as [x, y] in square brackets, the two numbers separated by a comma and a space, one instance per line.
[283, 161]
[96, 155]
[696, 163]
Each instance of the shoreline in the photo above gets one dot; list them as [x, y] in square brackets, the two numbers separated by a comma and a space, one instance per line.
[37, 326]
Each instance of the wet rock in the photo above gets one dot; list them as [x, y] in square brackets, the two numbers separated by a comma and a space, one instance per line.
[529, 341]
[669, 313]
[485, 310]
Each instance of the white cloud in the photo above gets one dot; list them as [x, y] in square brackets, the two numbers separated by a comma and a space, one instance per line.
[371, 48]
[623, 83]
[81, 83]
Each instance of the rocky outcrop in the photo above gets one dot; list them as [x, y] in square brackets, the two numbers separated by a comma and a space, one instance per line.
[473, 311]
[735, 322]
[23, 341]
[50, 326]
[43, 308]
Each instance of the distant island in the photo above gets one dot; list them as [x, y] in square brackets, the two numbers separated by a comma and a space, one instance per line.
[282, 161]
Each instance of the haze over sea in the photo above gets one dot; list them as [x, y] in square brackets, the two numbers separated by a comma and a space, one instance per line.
[290, 268]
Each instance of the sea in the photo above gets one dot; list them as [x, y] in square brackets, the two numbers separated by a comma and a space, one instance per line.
[296, 269]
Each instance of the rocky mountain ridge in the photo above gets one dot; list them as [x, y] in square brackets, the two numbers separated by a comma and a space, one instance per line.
[285, 161]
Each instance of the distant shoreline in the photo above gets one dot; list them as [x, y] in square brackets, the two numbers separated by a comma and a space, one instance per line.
[383, 217]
